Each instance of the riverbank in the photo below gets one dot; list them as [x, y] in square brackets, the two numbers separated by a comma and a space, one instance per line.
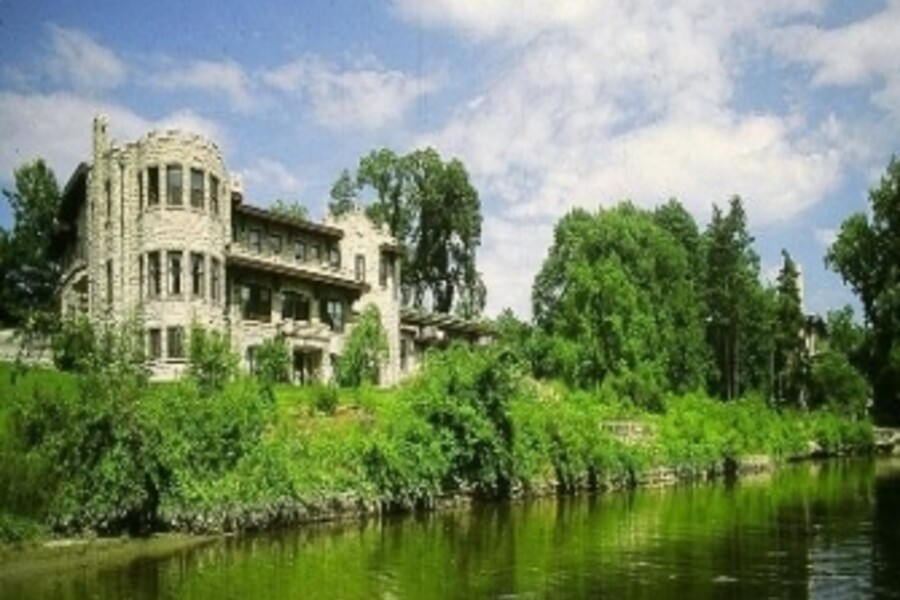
[470, 427]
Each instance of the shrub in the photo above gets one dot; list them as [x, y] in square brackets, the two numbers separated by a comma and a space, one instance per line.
[365, 350]
[273, 361]
[211, 361]
[73, 344]
[325, 398]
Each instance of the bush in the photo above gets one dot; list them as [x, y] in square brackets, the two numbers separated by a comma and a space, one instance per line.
[325, 398]
[365, 350]
[464, 394]
[73, 344]
[211, 361]
[273, 361]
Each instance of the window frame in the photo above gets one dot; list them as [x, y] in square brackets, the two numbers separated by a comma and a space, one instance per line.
[213, 194]
[154, 343]
[175, 352]
[359, 268]
[291, 301]
[174, 193]
[254, 246]
[197, 175]
[153, 188]
[215, 265]
[175, 272]
[198, 274]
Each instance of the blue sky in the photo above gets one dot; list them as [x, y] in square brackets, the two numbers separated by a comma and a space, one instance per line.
[793, 104]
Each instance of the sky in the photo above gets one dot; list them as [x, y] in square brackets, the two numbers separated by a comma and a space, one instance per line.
[792, 104]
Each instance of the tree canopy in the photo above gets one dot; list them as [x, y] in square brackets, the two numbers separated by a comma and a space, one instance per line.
[866, 254]
[433, 210]
[28, 272]
[615, 295]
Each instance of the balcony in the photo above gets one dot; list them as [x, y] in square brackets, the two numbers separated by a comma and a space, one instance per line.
[243, 257]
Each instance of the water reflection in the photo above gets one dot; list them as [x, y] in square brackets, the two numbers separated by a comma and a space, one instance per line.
[814, 530]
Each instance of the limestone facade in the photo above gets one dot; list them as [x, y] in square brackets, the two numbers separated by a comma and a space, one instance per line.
[156, 232]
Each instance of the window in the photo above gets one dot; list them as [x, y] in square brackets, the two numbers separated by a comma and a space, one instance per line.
[254, 239]
[175, 272]
[275, 243]
[314, 253]
[404, 354]
[383, 271]
[109, 283]
[141, 276]
[256, 302]
[175, 342]
[214, 194]
[333, 314]
[294, 306]
[174, 184]
[197, 188]
[107, 191]
[197, 262]
[334, 257]
[154, 287]
[214, 280]
[140, 189]
[152, 186]
[360, 267]
[299, 250]
[154, 339]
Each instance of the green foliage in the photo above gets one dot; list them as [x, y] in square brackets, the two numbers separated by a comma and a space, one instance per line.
[365, 351]
[866, 254]
[290, 209]
[836, 385]
[325, 398]
[615, 296]
[433, 211]
[73, 344]
[790, 358]
[211, 361]
[29, 271]
[464, 395]
[273, 361]
[343, 194]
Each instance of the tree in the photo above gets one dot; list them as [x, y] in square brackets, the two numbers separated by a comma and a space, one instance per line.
[432, 209]
[866, 254]
[734, 301]
[291, 209]
[365, 351]
[343, 194]
[614, 297]
[790, 359]
[29, 272]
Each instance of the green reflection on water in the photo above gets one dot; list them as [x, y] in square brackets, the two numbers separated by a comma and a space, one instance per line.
[809, 530]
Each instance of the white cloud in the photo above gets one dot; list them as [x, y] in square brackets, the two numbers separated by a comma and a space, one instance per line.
[57, 127]
[858, 53]
[364, 97]
[603, 101]
[225, 77]
[80, 61]
[271, 178]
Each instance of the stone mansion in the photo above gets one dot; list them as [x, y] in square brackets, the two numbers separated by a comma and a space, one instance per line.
[158, 231]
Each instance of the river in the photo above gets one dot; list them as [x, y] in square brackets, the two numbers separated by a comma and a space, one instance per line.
[812, 530]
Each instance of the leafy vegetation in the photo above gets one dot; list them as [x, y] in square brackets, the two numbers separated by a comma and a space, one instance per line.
[365, 351]
[432, 209]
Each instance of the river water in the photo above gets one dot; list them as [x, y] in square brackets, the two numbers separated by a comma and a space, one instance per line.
[813, 530]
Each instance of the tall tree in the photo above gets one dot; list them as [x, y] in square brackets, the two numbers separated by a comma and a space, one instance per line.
[433, 210]
[790, 361]
[29, 272]
[866, 253]
[614, 297]
[733, 291]
[343, 194]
